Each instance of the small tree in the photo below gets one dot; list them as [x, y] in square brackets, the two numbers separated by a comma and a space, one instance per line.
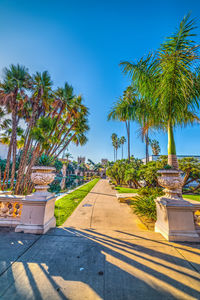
[155, 147]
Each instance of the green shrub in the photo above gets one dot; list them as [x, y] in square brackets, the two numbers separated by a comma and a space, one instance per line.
[146, 191]
[145, 206]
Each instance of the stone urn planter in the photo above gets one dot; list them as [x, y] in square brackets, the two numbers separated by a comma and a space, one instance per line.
[175, 218]
[42, 176]
[172, 181]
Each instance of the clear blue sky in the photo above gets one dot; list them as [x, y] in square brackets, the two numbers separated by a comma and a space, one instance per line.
[82, 42]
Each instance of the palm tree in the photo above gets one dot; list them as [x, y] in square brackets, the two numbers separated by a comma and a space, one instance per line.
[176, 91]
[15, 80]
[39, 102]
[114, 138]
[125, 110]
[122, 142]
[167, 79]
[155, 147]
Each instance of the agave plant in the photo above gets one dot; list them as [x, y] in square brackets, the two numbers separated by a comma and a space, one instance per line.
[45, 160]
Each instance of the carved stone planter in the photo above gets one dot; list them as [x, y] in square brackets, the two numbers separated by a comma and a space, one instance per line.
[175, 220]
[42, 177]
[38, 209]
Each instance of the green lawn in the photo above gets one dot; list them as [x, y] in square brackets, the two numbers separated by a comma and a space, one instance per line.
[125, 190]
[192, 197]
[65, 206]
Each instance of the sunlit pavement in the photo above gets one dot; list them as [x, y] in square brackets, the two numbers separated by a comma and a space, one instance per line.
[101, 252]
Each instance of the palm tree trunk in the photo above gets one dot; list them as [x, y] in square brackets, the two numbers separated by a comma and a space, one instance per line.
[24, 186]
[128, 138]
[65, 146]
[122, 151]
[172, 158]
[14, 131]
[147, 146]
[24, 157]
[7, 168]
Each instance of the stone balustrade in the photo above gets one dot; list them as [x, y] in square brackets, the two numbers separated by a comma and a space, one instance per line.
[10, 210]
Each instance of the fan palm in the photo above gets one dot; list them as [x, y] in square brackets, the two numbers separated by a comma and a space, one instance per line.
[15, 80]
[38, 103]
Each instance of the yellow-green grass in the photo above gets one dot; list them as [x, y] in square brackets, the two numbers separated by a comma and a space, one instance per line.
[65, 206]
[122, 190]
[192, 197]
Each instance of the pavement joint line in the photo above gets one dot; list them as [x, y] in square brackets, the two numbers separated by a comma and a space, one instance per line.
[191, 264]
[20, 256]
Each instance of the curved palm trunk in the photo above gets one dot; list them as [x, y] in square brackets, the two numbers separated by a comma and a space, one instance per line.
[172, 158]
[24, 157]
[122, 151]
[65, 146]
[26, 184]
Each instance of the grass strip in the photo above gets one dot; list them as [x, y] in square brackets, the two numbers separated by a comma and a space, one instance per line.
[65, 206]
[122, 190]
[192, 197]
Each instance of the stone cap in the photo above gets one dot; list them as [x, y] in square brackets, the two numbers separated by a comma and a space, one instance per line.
[43, 168]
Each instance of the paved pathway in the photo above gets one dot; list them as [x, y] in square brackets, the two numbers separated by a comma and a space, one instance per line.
[101, 252]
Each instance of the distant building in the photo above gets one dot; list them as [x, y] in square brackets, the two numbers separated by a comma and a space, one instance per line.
[104, 161]
[156, 157]
[81, 160]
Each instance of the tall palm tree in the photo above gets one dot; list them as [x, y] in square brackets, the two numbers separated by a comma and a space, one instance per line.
[39, 102]
[125, 110]
[15, 80]
[122, 142]
[114, 138]
[167, 79]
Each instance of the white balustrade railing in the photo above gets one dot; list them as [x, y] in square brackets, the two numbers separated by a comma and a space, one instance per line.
[10, 210]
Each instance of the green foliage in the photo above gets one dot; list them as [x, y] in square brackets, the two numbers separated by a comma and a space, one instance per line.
[155, 147]
[55, 187]
[145, 206]
[148, 173]
[58, 165]
[67, 204]
[41, 131]
[2, 165]
[123, 171]
[167, 167]
[45, 160]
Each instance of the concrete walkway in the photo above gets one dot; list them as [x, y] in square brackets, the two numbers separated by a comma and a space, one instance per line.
[102, 252]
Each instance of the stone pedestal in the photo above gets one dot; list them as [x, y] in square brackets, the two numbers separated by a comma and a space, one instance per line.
[175, 216]
[175, 220]
[37, 214]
